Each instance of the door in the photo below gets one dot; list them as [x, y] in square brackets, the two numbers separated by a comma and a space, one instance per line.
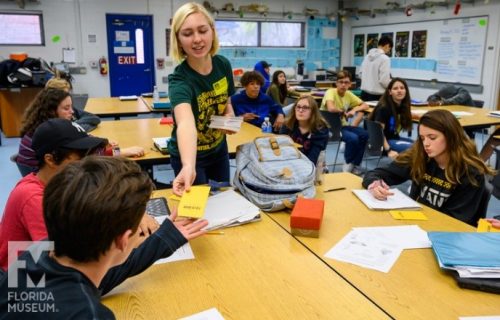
[130, 54]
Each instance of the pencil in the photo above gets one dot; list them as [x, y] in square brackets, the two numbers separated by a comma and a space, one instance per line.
[334, 189]
[215, 232]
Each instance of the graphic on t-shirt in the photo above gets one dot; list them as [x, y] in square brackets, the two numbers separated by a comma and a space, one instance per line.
[436, 191]
[210, 103]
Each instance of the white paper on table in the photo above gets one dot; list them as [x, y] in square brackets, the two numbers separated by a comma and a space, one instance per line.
[183, 253]
[210, 314]
[366, 250]
[406, 236]
[419, 112]
[462, 113]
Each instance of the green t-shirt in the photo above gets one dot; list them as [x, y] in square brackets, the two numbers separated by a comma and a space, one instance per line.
[345, 103]
[207, 95]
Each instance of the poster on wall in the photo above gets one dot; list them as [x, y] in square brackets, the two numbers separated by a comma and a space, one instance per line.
[359, 45]
[390, 35]
[371, 41]
[418, 44]
[402, 40]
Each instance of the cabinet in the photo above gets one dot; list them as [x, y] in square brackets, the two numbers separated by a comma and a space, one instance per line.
[13, 102]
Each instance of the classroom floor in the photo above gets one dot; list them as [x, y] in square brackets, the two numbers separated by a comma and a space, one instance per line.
[9, 175]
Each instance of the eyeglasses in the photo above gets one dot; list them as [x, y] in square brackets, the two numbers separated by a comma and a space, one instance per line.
[302, 108]
[343, 82]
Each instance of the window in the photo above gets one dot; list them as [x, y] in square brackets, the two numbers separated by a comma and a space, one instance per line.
[236, 33]
[21, 28]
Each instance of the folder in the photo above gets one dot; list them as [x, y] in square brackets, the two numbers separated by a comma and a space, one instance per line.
[193, 203]
[473, 249]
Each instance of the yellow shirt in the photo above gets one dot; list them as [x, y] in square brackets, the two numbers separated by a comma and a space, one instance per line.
[345, 103]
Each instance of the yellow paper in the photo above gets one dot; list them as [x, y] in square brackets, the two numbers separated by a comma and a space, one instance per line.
[175, 197]
[193, 203]
[407, 215]
[485, 226]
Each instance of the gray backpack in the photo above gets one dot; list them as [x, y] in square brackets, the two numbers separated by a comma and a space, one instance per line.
[271, 172]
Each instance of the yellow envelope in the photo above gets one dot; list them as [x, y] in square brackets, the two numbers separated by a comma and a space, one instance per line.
[485, 226]
[407, 215]
[174, 197]
[193, 203]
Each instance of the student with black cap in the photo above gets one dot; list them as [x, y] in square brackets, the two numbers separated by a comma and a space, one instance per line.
[56, 143]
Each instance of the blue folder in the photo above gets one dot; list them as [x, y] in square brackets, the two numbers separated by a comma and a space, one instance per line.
[473, 249]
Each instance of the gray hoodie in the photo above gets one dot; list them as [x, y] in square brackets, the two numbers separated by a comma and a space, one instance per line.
[375, 72]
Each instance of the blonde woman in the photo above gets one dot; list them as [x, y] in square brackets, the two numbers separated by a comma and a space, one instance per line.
[199, 88]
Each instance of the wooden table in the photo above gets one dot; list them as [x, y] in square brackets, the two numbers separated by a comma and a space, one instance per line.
[415, 287]
[114, 107]
[254, 271]
[139, 132]
[480, 119]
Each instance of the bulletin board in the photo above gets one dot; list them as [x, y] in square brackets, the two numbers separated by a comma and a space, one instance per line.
[450, 50]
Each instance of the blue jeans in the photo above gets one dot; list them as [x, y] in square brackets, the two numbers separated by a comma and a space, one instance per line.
[400, 145]
[355, 142]
[214, 167]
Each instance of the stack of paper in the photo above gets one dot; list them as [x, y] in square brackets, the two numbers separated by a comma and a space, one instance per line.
[128, 98]
[398, 200]
[494, 114]
[471, 254]
[227, 209]
[226, 123]
[161, 144]
[378, 248]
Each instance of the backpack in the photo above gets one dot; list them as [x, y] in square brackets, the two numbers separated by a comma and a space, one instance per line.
[271, 172]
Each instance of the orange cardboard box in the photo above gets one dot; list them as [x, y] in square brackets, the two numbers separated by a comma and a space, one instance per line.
[306, 217]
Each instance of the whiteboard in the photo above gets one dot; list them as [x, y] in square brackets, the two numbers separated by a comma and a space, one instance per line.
[454, 51]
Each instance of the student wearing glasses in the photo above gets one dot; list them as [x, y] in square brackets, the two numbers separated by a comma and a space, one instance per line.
[306, 126]
[343, 101]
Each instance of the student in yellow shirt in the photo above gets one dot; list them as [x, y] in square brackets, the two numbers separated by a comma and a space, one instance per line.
[341, 100]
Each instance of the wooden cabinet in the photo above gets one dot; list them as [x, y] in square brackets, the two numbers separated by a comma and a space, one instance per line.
[13, 102]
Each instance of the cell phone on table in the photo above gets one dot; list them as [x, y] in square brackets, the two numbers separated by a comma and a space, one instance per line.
[157, 207]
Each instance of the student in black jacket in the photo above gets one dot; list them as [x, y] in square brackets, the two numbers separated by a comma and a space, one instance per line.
[92, 210]
[446, 171]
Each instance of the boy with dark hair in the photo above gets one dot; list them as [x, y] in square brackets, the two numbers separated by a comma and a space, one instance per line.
[56, 143]
[92, 210]
[253, 105]
[376, 70]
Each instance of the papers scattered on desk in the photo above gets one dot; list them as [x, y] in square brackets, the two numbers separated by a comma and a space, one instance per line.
[397, 201]
[229, 208]
[128, 98]
[161, 143]
[226, 123]
[210, 314]
[372, 103]
[378, 248]
[494, 114]
[471, 254]
[457, 114]
[183, 253]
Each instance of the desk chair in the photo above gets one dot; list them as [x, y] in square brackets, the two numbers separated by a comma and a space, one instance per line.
[375, 144]
[335, 123]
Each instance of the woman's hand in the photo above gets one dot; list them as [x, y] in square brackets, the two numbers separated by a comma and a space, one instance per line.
[184, 180]
[380, 190]
[280, 119]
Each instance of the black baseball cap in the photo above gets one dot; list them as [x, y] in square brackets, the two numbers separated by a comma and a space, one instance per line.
[58, 133]
[265, 64]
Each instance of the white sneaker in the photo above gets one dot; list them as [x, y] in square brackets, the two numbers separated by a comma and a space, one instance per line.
[347, 167]
[357, 170]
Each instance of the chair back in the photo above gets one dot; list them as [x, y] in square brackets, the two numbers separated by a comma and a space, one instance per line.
[375, 144]
[335, 123]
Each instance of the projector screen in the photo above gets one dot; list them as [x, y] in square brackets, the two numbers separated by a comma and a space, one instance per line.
[21, 28]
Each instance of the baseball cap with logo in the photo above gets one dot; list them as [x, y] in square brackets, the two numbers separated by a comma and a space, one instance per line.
[61, 133]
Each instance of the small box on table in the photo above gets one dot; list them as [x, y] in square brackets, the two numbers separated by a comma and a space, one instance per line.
[306, 217]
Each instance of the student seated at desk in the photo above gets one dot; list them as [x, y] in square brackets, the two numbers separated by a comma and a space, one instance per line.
[92, 210]
[393, 111]
[278, 91]
[56, 143]
[253, 105]
[446, 171]
[341, 100]
[451, 95]
[48, 104]
[306, 126]
[86, 120]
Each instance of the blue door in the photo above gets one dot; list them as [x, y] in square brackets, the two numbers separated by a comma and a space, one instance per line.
[130, 54]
